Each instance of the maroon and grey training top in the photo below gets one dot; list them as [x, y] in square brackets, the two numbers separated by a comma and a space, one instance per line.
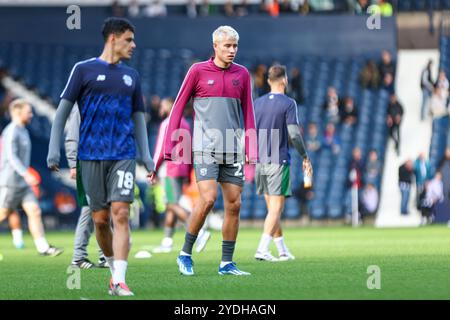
[218, 95]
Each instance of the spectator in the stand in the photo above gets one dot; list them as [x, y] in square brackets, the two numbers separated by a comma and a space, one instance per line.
[435, 189]
[156, 9]
[386, 65]
[153, 111]
[331, 106]
[443, 84]
[424, 206]
[388, 83]
[426, 84]
[438, 108]
[444, 169]
[191, 9]
[204, 8]
[356, 164]
[261, 86]
[273, 8]
[242, 9]
[228, 8]
[373, 168]
[330, 140]
[134, 9]
[301, 6]
[361, 7]
[422, 172]
[354, 178]
[405, 179]
[348, 112]
[368, 202]
[285, 6]
[3, 106]
[394, 119]
[369, 77]
[312, 141]
[262, 7]
[296, 86]
[117, 10]
[431, 195]
[382, 7]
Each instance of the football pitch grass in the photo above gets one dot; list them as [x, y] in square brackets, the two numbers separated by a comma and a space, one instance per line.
[332, 263]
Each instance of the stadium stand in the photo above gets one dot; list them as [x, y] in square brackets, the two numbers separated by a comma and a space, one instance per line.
[44, 67]
[421, 5]
[162, 72]
[440, 138]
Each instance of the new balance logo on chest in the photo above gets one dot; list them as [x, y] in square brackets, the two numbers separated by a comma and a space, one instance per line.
[101, 77]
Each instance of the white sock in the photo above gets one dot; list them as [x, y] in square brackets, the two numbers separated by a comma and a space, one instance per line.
[224, 263]
[17, 235]
[167, 242]
[41, 244]
[110, 261]
[281, 246]
[120, 269]
[182, 253]
[264, 243]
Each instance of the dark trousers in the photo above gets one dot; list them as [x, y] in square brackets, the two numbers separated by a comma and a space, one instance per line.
[394, 132]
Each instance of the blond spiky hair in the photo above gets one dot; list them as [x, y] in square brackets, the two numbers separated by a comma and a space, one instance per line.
[224, 32]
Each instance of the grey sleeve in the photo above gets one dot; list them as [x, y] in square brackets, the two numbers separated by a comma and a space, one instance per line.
[11, 150]
[57, 132]
[72, 138]
[297, 140]
[140, 133]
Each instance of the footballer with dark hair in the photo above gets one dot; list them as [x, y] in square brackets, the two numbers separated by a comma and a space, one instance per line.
[109, 98]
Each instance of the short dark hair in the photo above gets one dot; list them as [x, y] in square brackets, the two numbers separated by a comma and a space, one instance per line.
[115, 26]
[277, 72]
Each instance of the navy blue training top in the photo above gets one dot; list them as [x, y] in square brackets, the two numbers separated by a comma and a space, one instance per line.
[107, 96]
[274, 112]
